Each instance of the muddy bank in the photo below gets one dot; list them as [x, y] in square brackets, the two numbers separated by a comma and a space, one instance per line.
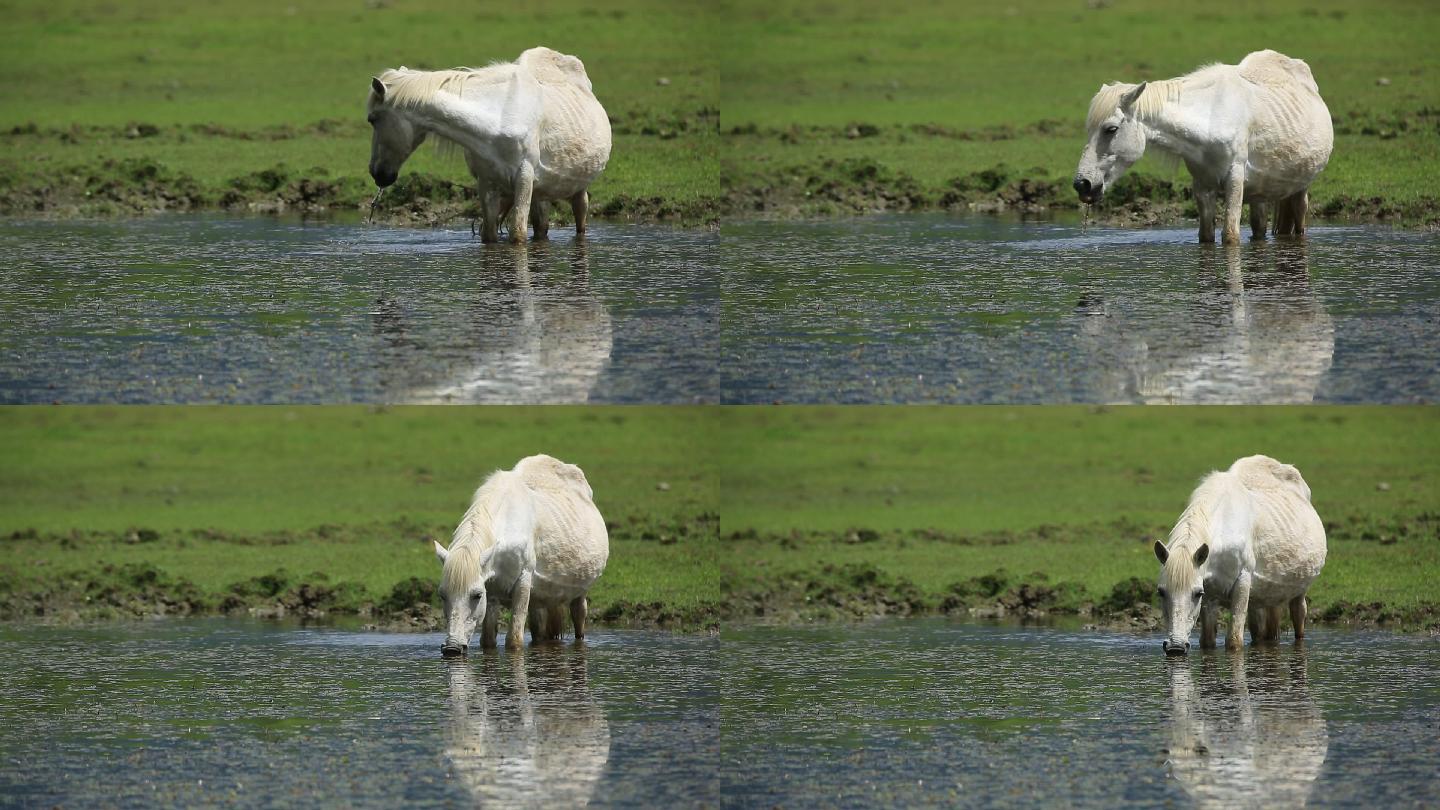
[135, 186]
[785, 173]
[59, 586]
[854, 187]
[783, 592]
[857, 592]
[141, 590]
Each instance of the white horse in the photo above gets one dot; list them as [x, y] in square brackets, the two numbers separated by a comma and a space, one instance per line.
[1250, 540]
[533, 541]
[532, 132]
[1258, 132]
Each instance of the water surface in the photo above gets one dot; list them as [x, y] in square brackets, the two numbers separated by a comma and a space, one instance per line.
[226, 309]
[935, 713]
[929, 308]
[224, 712]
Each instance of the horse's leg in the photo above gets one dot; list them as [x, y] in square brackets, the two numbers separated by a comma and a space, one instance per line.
[520, 611]
[1298, 608]
[1300, 210]
[536, 623]
[580, 204]
[524, 186]
[1285, 216]
[1234, 199]
[555, 622]
[1257, 220]
[1276, 615]
[1205, 202]
[579, 607]
[1239, 607]
[540, 218]
[489, 626]
[1255, 623]
[1209, 618]
[489, 216]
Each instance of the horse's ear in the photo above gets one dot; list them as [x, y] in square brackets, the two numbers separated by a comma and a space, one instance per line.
[379, 88]
[1160, 552]
[1127, 101]
[441, 552]
[1201, 554]
[486, 557]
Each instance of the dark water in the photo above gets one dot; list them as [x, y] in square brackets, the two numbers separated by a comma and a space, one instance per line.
[932, 713]
[215, 309]
[205, 713]
[987, 310]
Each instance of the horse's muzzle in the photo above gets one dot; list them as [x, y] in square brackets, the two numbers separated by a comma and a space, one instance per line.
[452, 650]
[1088, 192]
[384, 179]
[1175, 649]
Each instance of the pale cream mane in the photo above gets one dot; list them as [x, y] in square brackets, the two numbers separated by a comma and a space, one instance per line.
[414, 88]
[476, 532]
[1153, 99]
[1191, 530]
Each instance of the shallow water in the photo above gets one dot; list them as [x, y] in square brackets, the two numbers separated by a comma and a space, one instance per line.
[202, 713]
[937, 713]
[225, 309]
[929, 308]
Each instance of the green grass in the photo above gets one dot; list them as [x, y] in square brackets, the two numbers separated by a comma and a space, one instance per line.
[261, 76]
[1080, 495]
[354, 493]
[800, 78]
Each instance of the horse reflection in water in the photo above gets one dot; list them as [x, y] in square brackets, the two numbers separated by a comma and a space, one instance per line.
[1257, 335]
[523, 336]
[524, 729]
[1252, 737]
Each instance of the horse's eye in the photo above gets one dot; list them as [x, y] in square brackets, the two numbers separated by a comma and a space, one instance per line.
[1197, 595]
[1111, 130]
[1161, 590]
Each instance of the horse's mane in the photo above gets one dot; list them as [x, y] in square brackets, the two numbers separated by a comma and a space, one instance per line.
[411, 88]
[1192, 529]
[1155, 96]
[476, 532]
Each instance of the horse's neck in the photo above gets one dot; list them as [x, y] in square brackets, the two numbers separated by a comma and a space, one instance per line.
[480, 114]
[1183, 126]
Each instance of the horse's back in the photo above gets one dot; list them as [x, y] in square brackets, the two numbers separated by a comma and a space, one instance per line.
[1289, 537]
[1291, 135]
[574, 129]
[572, 544]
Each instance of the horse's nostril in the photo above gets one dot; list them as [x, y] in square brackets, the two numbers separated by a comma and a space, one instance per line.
[1082, 185]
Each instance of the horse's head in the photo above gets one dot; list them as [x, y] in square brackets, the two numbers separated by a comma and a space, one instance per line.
[394, 138]
[462, 590]
[1117, 140]
[1182, 588]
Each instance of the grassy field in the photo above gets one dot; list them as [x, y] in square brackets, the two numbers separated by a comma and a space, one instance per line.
[168, 104]
[885, 509]
[220, 498]
[849, 106]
